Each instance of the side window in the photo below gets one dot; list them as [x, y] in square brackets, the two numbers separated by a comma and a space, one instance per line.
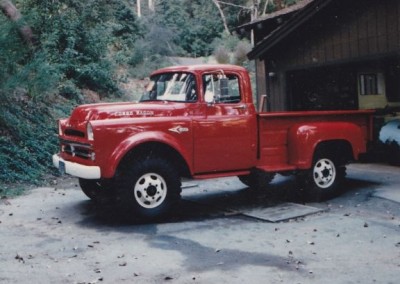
[368, 84]
[233, 89]
[229, 84]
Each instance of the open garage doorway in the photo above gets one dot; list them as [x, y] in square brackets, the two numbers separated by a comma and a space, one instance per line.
[325, 88]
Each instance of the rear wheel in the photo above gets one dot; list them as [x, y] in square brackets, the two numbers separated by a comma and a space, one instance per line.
[323, 180]
[393, 153]
[148, 188]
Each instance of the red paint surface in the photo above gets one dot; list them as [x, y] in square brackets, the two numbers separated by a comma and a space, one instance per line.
[213, 139]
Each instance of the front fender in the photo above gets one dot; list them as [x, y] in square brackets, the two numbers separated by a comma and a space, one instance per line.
[304, 138]
[140, 138]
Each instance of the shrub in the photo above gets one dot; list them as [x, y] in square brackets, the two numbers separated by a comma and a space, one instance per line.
[240, 53]
[231, 44]
[222, 56]
[28, 139]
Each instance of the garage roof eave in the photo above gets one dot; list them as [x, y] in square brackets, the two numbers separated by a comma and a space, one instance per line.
[299, 18]
[274, 15]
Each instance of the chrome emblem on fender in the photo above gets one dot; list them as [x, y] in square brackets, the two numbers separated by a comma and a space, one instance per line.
[123, 113]
[179, 129]
[145, 112]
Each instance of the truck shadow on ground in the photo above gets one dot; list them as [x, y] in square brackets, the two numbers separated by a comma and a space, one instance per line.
[206, 202]
[209, 204]
[197, 255]
[199, 258]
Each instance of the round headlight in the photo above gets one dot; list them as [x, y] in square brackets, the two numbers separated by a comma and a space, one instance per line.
[59, 128]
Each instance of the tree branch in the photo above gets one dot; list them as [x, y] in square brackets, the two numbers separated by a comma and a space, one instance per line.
[222, 16]
[9, 9]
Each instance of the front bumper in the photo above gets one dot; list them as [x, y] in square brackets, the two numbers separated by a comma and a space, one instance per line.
[75, 169]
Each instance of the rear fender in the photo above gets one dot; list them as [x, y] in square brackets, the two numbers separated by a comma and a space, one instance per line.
[303, 139]
[138, 139]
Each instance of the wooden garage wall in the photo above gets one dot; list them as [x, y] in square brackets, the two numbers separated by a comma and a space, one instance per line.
[345, 31]
[362, 29]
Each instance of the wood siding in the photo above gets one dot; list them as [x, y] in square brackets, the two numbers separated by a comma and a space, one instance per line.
[370, 28]
[344, 32]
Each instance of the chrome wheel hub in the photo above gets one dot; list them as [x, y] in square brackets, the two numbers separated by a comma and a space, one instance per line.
[150, 190]
[324, 173]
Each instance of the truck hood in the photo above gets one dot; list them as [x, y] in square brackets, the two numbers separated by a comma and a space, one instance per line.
[126, 110]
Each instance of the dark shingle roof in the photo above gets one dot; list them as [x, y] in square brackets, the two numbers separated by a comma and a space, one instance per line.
[298, 17]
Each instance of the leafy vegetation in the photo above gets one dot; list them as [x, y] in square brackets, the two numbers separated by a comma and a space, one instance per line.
[28, 138]
[90, 47]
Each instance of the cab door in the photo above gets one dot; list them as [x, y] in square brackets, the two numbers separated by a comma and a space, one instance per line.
[225, 138]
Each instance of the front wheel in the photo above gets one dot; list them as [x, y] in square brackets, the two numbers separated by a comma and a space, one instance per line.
[148, 188]
[96, 190]
[322, 181]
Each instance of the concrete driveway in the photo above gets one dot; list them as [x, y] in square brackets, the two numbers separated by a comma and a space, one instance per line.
[220, 234]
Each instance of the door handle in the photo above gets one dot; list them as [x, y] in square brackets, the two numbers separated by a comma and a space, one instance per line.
[243, 107]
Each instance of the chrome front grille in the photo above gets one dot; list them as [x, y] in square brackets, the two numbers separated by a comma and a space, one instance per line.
[76, 149]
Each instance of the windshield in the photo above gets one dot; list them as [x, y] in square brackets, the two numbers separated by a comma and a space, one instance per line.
[176, 87]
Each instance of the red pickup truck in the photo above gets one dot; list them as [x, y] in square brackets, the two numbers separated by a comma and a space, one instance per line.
[200, 122]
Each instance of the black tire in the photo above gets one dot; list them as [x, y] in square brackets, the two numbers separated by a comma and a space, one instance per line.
[148, 189]
[96, 190]
[323, 180]
[393, 153]
[257, 180]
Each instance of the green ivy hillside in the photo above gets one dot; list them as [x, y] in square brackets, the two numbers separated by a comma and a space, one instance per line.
[56, 54]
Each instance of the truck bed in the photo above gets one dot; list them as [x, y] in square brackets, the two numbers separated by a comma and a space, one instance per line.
[274, 130]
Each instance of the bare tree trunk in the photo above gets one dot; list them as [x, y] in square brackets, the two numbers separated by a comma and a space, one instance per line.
[139, 8]
[9, 9]
[254, 14]
[266, 6]
[151, 5]
[222, 16]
